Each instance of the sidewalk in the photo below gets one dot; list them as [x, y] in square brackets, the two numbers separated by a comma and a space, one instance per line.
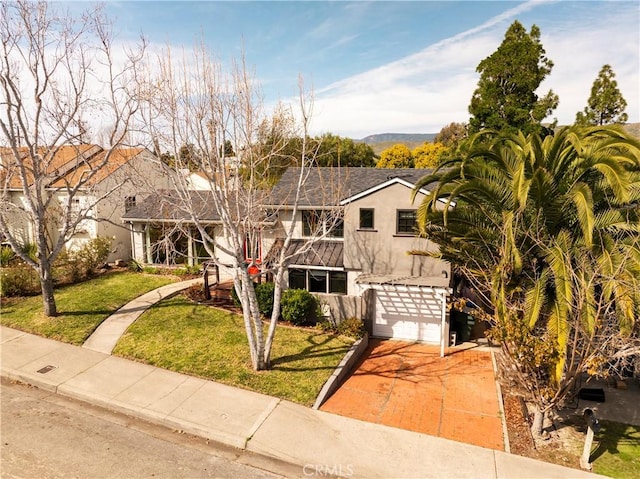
[318, 442]
[106, 336]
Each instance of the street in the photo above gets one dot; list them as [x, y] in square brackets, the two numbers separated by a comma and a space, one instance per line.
[49, 436]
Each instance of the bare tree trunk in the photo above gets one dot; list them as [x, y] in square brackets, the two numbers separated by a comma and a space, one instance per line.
[538, 423]
[46, 285]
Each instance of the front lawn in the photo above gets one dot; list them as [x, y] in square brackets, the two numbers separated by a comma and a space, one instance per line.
[81, 307]
[617, 453]
[182, 336]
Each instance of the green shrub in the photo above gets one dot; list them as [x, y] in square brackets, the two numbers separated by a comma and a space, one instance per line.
[18, 280]
[235, 298]
[298, 306]
[187, 270]
[352, 327]
[31, 250]
[326, 326]
[6, 256]
[92, 255]
[264, 295]
[135, 266]
[150, 270]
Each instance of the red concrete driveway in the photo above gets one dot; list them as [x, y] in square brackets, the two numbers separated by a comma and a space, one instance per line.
[409, 386]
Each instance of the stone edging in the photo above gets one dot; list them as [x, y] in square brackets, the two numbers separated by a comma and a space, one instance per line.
[344, 368]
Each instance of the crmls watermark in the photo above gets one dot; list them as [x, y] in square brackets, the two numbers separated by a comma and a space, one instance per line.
[328, 470]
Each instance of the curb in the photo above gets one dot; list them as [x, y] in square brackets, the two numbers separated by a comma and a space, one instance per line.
[342, 370]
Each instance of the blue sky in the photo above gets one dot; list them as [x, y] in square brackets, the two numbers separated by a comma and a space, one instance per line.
[407, 67]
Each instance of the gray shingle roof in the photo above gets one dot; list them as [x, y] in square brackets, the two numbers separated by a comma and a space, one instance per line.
[164, 206]
[330, 186]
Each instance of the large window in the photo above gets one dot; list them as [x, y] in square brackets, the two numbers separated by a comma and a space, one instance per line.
[318, 281]
[366, 219]
[318, 223]
[406, 223]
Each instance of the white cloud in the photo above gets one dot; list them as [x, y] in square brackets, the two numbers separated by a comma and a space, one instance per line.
[425, 91]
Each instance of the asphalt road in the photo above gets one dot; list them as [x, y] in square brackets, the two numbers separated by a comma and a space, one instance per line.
[44, 435]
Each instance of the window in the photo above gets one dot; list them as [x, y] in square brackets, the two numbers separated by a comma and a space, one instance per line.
[406, 222]
[74, 207]
[338, 282]
[252, 249]
[129, 203]
[310, 220]
[297, 279]
[337, 230]
[318, 223]
[366, 218]
[318, 281]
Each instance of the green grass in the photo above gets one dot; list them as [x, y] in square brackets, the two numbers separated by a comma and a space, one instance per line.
[617, 453]
[179, 335]
[81, 307]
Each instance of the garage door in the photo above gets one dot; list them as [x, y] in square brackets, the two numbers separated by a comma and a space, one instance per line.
[412, 315]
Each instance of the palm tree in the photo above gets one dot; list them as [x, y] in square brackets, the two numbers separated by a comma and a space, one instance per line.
[548, 228]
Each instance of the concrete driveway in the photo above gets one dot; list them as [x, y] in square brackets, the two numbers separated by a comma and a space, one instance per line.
[409, 386]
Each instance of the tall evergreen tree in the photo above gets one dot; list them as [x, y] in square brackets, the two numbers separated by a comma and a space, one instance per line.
[606, 104]
[506, 99]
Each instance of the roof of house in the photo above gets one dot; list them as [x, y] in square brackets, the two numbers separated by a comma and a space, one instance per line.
[107, 166]
[64, 164]
[337, 186]
[164, 205]
[328, 254]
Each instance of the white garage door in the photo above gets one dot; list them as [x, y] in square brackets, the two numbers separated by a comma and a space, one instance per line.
[412, 315]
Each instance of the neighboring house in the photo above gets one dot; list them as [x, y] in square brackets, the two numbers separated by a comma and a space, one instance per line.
[128, 175]
[353, 230]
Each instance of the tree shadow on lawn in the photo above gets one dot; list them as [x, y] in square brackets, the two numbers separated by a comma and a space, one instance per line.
[611, 436]
[313, 350]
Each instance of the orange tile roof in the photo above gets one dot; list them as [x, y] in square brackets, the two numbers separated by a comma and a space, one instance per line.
[107, 166]
[65, 164]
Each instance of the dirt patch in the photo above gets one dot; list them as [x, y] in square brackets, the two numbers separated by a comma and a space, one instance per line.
[563, 440]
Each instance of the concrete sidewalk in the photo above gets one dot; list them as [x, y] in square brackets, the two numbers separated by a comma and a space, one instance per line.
[317, 442]
[106, 336]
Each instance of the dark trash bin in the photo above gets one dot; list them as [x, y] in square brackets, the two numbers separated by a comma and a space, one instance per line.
[592, 394]
[462, 324]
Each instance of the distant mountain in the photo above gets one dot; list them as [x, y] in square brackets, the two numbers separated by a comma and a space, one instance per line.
[398, 138]
[382, 141]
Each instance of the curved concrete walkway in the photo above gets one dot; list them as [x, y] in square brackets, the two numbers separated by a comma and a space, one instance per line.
[106, 336]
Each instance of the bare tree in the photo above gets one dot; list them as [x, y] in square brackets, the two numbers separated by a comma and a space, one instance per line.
[191, 101]
[60, 75]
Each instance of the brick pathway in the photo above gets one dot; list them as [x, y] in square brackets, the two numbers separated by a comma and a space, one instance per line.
[409, 386]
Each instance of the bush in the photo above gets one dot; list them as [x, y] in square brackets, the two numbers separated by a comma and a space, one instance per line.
[299, 306]
[352, 327]
[264, 295]
[31, 250]
[93, 254]
[18, 280]
[134, 266]
[6, 256]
